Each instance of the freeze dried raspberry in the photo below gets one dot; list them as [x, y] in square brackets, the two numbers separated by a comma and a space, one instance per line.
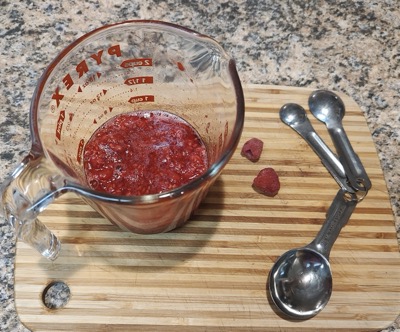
[267, 182]
[252, 149]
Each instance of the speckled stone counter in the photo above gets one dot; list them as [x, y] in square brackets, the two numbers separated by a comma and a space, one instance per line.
[347, 46]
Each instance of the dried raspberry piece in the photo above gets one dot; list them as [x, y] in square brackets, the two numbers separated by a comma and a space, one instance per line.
[252, 149]
[267, 182]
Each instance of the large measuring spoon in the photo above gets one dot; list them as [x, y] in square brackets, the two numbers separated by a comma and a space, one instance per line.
[300, 281]
[295, 116]
[327, 107]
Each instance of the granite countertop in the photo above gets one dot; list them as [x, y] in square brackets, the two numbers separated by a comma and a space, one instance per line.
[347, 46]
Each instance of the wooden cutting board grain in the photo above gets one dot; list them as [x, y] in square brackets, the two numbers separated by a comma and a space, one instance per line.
[210, 275]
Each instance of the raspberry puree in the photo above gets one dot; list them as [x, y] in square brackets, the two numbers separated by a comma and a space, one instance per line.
[143, 153]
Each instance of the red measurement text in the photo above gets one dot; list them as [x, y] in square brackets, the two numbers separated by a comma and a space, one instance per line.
[139, 80]
[141, 99]
[80, 150]
[139, 62]
[60, 123]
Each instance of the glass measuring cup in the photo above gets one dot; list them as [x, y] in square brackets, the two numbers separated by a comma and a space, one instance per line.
[125, 67]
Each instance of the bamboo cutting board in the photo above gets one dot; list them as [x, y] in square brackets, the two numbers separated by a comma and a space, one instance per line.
[210, 275]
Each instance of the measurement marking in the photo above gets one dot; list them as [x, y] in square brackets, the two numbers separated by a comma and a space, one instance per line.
[139, 80]
[140, 62]
[80, 150]
[60, 123]
[141, 99]
[88, 81]
[98, 96]
[180, 66]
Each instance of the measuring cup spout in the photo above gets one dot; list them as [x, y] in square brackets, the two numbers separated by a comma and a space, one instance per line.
[28, 191]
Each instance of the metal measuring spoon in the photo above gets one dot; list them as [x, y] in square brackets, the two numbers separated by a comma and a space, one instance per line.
[300, 281]
[295, 117]
[327, 107]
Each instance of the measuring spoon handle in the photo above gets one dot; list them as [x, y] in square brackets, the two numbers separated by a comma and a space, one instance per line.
[351, 162]
[338, 215]
[295, 117]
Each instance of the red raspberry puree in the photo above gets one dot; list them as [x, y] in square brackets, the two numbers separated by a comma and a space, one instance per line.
[143, 153]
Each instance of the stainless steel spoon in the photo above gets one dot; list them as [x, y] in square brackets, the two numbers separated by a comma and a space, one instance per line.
[327, 107]
[300, 281]
[295, 116]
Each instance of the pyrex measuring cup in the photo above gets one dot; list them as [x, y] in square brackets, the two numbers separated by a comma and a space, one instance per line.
[125, 67]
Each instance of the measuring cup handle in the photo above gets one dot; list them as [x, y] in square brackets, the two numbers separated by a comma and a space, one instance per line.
[28, 191]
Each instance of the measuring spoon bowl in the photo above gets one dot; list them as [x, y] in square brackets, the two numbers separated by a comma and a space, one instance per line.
[300, 281]
[326, 106]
